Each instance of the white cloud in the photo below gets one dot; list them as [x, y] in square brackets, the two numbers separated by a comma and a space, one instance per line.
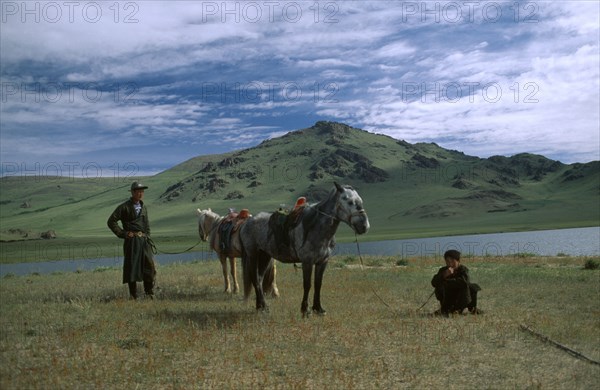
[376, 67]
[395, 49]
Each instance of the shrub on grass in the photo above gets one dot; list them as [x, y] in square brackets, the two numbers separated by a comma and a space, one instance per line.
[375, 262]
[348, 260]
[525, 254]
[103, 269]
[592, 264]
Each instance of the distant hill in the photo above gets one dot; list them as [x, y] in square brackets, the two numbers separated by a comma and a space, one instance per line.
[409, 190]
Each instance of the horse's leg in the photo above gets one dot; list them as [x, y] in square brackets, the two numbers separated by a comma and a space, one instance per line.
[319, 271]
[306, 279]
[223, 259]
[262, 265]
[269, 283]
[233, 271]
[273, 281]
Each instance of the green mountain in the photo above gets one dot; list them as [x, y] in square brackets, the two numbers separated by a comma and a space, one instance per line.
[409, 190]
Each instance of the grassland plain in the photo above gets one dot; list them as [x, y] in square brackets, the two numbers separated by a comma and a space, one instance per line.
[79, 330]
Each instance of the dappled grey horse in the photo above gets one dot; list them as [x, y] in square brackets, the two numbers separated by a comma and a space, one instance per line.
[309, 241]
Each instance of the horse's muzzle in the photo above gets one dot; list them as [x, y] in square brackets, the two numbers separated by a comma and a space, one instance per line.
[360, 223]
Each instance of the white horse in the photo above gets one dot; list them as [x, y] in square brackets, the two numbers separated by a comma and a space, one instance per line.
[209, 224]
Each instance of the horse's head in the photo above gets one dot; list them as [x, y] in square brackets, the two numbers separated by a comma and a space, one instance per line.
[349, 208]
[206, 218]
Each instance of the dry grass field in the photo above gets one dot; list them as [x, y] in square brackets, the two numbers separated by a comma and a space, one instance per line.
[79, 330]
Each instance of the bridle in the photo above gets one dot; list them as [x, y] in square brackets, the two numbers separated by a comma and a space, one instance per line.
[335, 218]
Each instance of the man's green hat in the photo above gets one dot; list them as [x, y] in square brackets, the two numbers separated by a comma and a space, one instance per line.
[136, 185]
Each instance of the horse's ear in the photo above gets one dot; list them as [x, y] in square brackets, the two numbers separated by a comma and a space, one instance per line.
[198, 211]
[339, 187]
[209, 209]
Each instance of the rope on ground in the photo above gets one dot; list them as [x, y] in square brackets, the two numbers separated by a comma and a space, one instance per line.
[427, 301]
[547, 339]
[372, 289]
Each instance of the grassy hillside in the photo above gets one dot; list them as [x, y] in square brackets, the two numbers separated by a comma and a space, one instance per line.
[410, 190]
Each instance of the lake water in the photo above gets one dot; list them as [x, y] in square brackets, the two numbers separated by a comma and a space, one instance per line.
[572, 242]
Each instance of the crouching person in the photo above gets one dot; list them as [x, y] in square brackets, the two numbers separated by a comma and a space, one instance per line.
[453, 287]
[138, 259]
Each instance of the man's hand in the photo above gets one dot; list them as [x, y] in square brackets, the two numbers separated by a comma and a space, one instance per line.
[448, 272]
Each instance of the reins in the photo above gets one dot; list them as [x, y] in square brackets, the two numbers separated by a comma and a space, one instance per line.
[361, 212]
[325, 214]
[155, 249]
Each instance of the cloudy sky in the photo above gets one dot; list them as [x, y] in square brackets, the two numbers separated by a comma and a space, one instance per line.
[122, 86]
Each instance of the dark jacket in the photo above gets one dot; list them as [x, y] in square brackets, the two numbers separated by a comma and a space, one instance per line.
[456, 292]
[138, 264]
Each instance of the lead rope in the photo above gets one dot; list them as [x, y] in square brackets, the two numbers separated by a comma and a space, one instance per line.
[362, 269]
[373, 289]
[155, 249]
[427, 301]
[558, 345]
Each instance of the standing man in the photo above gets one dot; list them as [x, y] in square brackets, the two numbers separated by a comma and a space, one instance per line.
[138, 262]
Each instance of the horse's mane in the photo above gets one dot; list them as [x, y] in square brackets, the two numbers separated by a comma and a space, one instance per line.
[310, 216]
[209, 213]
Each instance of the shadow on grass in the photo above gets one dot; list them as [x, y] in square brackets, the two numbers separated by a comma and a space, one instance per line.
[104, 296]
[205, 294]
[162, 293]
[206, 318]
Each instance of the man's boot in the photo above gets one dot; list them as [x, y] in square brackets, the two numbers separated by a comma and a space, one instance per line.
[132, 290]
[149, 289]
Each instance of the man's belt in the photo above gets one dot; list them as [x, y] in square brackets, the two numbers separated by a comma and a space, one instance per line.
[139, 234]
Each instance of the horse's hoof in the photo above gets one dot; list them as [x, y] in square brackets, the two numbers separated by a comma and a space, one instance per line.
[305, 314]
[319, 312]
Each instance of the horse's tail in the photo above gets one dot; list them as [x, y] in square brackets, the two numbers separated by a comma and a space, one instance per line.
[247, 281]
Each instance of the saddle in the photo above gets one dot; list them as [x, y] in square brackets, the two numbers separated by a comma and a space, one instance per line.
[281, 222]
[230, 225]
